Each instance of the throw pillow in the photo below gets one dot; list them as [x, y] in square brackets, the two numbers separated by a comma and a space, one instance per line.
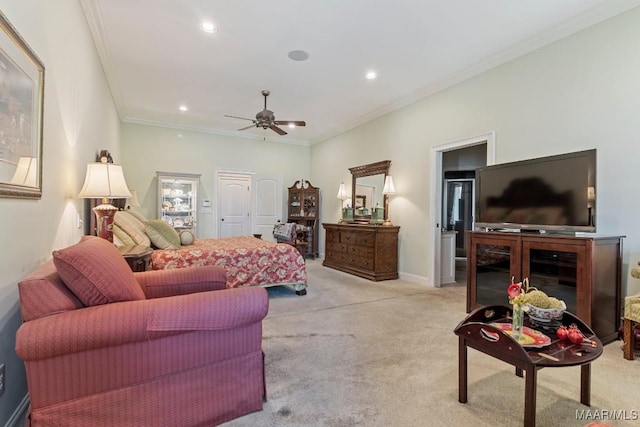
[96, 273]
[186, 237]
[133, 227]
[122, 236]
[138, 215]
[162, 235]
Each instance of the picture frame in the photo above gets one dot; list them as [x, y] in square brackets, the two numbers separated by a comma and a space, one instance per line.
[21, 114]
[361, 201]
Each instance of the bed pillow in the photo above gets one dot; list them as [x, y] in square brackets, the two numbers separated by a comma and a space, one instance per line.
[133, 227]
[138, 215]
[96, 273]
[187, 237]
[162, 235]
[122, 237]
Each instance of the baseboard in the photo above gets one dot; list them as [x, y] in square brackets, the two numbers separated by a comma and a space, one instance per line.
[20, 414]
[414, 278]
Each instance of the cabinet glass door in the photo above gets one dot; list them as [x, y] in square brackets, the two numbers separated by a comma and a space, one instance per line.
[492, 260]
[555, 272]
[493, 265]
[309, 204]
[178, 200]
[294, 203]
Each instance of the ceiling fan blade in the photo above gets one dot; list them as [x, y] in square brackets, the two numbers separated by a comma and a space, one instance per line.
[236, 117]
[291, 122]
[247, 127]
[277, 130]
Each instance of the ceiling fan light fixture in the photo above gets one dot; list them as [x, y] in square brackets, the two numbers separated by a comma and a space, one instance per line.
[208, 27]
[298, 55]
[292, 125]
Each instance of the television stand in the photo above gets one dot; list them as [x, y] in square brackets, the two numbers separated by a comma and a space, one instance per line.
[583, 271]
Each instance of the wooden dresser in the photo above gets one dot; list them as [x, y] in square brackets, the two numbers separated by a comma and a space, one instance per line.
[369, 251]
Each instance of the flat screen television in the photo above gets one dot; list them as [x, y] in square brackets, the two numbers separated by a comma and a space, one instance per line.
[554, 193]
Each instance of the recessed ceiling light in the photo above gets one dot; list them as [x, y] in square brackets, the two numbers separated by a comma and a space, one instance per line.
[371, 75]
[298, 55]
[183, 108]
[208, 27]
[291, 125]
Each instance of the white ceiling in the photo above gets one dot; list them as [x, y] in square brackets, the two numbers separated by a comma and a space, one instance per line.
[156, 57]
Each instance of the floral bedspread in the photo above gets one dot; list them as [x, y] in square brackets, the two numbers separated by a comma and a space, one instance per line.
[247, 260]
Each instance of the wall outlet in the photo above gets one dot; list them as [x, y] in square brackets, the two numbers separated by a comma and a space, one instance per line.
[2, 379]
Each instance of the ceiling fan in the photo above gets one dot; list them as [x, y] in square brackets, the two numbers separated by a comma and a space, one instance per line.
[265, 119]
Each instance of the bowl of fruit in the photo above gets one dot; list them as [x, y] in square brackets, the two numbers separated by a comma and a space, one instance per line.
[541, 307]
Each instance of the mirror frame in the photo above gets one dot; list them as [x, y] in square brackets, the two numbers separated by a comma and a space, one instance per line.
[368, 170]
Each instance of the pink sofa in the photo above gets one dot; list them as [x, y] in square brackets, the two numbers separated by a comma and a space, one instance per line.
[104, 346]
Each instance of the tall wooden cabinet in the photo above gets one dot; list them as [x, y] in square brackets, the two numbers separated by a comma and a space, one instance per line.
[369, 251]
[303, 208]
[584, 271]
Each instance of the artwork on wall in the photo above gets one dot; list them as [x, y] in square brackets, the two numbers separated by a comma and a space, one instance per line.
[21, 103]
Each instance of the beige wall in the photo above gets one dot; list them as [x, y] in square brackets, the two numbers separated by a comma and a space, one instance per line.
[79, 119]
[578, 93]
[147, 149]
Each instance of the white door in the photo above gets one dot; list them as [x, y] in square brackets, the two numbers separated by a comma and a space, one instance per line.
[267, 205]
[234, 203]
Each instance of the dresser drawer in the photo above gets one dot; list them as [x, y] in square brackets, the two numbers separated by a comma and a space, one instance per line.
[336, 247]
[333, 236]
[365, 239]
[362, 262]
[361, 251]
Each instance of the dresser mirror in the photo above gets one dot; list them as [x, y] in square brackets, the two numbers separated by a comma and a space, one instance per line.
[366, 191]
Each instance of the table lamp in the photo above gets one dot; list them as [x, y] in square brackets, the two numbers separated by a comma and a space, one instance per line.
[104, 181]
[342, 195]
[387, 190]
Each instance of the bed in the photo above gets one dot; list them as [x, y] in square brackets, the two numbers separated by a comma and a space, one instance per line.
[248, 261]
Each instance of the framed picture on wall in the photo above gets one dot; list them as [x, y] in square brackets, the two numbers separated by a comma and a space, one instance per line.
[21, 102]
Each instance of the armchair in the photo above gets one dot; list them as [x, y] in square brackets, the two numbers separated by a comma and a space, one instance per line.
[631, 318]
[179, 349]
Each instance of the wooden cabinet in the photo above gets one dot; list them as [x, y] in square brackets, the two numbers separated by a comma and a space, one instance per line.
[302, 208]
[584, 271]
[369, 251]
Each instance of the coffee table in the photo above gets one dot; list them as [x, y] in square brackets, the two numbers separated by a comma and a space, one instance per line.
[476, 331]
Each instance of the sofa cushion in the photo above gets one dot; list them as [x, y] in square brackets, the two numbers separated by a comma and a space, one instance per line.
[162, 235]
[96, 273]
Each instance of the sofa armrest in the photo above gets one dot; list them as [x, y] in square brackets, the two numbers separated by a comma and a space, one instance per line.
[180, 281]
[115, 324]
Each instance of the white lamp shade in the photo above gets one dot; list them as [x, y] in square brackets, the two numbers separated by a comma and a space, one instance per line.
[26, 172]
[104, 180]
[342, 192]
[133, 200]
[388, 188]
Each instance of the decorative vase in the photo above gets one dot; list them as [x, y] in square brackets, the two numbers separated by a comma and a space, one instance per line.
[518, 317]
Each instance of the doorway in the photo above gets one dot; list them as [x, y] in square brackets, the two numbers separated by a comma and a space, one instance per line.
[437, 191]
[248, 203]
[458, 209]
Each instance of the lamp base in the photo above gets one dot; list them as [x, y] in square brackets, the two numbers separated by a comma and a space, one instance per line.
[104, 219]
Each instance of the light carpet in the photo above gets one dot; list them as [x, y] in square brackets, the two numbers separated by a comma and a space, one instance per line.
[358, 353]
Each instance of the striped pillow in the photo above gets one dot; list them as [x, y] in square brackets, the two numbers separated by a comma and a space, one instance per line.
[132, 226]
